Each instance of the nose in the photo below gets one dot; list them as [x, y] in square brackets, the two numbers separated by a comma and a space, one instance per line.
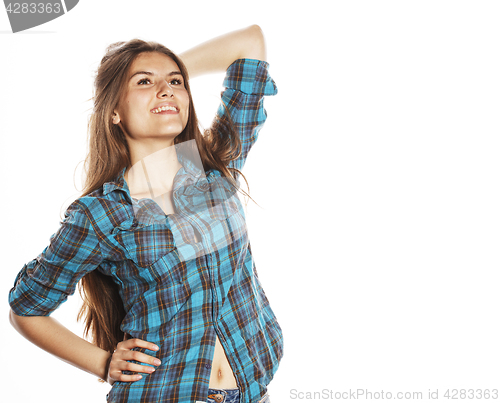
[166, 90]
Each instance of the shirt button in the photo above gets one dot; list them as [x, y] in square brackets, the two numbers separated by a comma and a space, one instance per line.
[207, 366]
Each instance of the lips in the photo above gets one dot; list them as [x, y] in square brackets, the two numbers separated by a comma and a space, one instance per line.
[169, 108]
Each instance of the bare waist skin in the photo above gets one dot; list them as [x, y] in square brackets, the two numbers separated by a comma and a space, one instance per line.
[221, 376]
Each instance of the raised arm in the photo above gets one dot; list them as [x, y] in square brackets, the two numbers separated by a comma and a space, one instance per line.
[217, 54]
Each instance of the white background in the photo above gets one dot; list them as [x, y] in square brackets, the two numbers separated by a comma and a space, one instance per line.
[376, 172]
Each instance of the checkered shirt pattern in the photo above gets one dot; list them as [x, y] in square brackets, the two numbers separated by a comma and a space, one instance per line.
[180, 290]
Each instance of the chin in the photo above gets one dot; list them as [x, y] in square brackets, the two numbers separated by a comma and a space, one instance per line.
[171, 131]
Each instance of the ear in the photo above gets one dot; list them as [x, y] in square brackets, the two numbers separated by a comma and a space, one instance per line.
[116, 117]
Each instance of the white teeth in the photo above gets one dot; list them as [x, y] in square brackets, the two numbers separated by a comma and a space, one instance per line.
[165, 108]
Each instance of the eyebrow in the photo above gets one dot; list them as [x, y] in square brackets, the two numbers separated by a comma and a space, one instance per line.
[149, 73]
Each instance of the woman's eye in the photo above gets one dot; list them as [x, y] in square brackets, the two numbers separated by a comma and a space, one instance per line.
[144, 81]
[176, 81]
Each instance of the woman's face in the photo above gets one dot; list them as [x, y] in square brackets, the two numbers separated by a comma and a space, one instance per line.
[154, 103]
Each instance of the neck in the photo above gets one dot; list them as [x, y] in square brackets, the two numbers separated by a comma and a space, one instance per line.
[152, 172]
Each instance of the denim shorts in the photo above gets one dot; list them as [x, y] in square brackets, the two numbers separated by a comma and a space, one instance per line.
[229, 396]
[223, 395]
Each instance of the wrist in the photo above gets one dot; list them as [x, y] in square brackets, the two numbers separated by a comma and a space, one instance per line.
[103, 371]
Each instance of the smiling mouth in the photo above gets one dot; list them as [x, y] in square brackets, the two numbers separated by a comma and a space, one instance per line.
[165, 108]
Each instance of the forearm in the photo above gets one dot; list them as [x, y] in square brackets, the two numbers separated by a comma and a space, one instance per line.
[217, 54]
[48, 334]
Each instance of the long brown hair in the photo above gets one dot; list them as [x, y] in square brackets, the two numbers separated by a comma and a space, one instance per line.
[108, 154]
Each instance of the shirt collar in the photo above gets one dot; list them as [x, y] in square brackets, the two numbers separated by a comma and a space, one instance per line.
[118, 183]
[189, 157]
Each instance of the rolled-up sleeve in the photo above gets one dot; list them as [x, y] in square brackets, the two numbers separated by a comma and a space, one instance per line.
[46, 282]
[246, 83]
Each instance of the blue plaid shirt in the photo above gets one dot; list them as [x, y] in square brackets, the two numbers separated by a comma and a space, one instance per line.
[179, 289]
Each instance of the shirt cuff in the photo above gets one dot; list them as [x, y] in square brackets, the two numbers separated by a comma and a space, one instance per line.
[24, 300]
[251, 77]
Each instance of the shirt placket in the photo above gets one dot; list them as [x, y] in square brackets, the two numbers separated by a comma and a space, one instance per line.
[212, 265]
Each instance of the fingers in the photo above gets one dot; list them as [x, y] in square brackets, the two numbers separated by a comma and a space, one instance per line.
[116, 371]
[132, 367]
[121, 377]
[129, 355]
[132, 343]
[124, 353]
[127, 378]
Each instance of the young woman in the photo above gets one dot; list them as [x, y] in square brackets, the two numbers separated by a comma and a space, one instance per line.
[158, 239]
